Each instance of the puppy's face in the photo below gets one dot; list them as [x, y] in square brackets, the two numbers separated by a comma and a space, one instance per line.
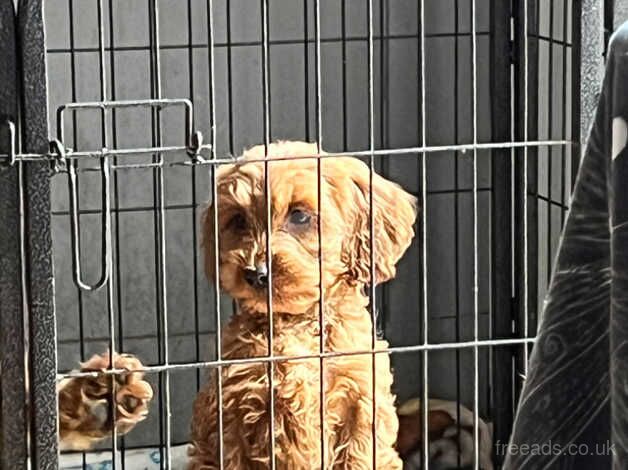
[294, 227]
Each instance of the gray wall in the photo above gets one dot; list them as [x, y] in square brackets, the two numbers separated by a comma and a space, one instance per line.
[185, 73]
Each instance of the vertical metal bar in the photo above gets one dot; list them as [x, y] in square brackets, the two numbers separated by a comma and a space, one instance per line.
[501, 208]
[381, 312]
[38, 243]
[343, 36]
[372, 298]
[524, 194]
[476, 368]
[13, 393]
[118, 274]
[577, 91]
[161, 224]
[269, 257]
[321, 301]
[532, 179]
[193, 173]
[230, 78]
[550, 151]
[79, 291]
[563, 149]
[424, 354]
[106, 226]
[213, 168]
[526, 213]
[306, 71]
[456, 221]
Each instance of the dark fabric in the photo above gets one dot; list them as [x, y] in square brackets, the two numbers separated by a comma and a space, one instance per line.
[574, 401]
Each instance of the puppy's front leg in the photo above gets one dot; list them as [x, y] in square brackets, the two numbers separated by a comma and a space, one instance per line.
[352, 398]
[85, 402]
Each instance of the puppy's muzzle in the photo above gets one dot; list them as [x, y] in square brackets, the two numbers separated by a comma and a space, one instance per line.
[257, 277]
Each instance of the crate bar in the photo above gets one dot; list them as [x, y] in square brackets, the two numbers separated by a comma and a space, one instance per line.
[105, 105]
[330, 354]
[229, 44]
[319, 148]
[243, 43]
[550, 122]
[424, 307]
[564, 126]
[105, 170]
[501, 207]
[193, 188]
[456, 219]
[524, 192]
[399, 151]
[160, 222]
[576, 90]
[476, 367]
[268, 197]
[79, 291]
[371, 160]
[14, 426]
[37, 238]
[214, 197]
[306, 70]
[105, 164]
[526, 167]
[116, 188]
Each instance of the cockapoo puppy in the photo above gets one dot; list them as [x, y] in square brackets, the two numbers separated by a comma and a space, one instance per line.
[347, 428]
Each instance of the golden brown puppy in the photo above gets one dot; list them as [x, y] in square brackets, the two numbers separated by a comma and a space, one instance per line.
[346, 246]
[85, 402]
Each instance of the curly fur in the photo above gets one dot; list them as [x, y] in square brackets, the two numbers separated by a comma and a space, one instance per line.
[347, 427]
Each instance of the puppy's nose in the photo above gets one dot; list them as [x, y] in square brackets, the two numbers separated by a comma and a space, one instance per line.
[257, 277]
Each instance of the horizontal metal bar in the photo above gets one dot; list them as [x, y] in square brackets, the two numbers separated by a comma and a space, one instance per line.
[97, 154]
[331, 354]
[172, 207]
[276, 42]
[108, 104]
[463, 148]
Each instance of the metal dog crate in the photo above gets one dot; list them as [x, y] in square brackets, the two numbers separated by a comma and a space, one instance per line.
[478, 107]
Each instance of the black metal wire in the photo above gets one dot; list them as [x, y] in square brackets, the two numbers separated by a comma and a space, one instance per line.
[162, 336]
[266, 105]
[563, 152]
[306, 66]
[228, 44]
[550, 131]
[371, 236]
[344, 39]
[456, 286]
[116, 208]
[79, 291]
[195, 290]
[319, 211]
[383, 41]
[384, 122]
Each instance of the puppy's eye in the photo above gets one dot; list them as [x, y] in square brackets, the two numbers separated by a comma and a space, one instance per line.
[299, 217]
[237, 223]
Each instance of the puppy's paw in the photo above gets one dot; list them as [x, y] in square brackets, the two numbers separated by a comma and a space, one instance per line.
[86, 405]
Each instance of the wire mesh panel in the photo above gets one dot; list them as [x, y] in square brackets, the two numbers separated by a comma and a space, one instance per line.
[467, 104]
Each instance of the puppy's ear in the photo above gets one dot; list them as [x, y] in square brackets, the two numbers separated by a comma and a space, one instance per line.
[208, 226]
[394, 213]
